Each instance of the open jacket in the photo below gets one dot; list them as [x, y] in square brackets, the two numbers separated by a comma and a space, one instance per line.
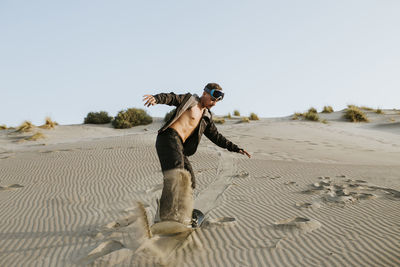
[206, 125]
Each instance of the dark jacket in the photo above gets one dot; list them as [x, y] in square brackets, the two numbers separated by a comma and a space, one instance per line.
[206, 125]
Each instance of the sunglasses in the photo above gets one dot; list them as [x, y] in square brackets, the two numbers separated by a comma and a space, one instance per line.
[216, 95]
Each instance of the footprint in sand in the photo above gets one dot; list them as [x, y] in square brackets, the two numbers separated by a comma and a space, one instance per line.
[307, 205]
[301, 224]
[242, 174]
[341, 192]
[10, 187]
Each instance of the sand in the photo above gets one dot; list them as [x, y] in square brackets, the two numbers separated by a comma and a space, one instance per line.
[312, 194]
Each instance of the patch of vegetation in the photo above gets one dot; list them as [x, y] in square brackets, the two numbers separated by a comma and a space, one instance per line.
[3, 127]
[364, 108]
[26, 126]
[169, 115]
[327, 109]
[297, 116]
[219, 120]
[49, 124]
[379, 111]
[324, 121]
[130, 118]
[253, 117]
[36, 137]
[312, 110]
[354, 114]
[236, 113]
[228, 116]
[311, 116]
[101, 117]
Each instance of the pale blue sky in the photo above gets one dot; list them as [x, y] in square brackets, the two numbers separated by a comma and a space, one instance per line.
[65, 59]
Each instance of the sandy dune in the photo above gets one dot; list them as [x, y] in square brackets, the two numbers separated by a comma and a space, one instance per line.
[313, 194]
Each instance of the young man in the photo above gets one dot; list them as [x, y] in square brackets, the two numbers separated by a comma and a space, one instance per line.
[178, 139]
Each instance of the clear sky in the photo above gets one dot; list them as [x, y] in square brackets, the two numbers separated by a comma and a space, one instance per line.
[64, 59]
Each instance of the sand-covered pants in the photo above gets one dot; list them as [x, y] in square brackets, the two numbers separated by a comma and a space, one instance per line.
[176, 201]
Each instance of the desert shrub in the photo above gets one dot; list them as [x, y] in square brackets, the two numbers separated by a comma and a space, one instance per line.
[297, 116]
[228, 116]
[3, 127]
[36, 136]
[97, 118]
[324, 121]
[327, 109]
[26, 126]
[311, 116]
[219, 120]
[131, 117]
[236, 113]
[312, 110]
[253, 117]
[379, 111]
[354, 114]
[365, 108]
[169, 115]
[49, 124]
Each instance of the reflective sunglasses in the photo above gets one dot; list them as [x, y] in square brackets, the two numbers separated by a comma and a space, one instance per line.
[216, 95]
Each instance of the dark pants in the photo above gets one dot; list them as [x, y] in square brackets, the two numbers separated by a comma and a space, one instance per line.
[170, 150]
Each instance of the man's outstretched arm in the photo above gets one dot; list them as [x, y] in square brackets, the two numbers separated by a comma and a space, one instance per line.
[170, 99]
[212, 133]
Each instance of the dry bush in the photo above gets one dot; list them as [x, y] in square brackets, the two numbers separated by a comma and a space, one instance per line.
[36, 137]
[26, 126]
[379, 111]
[312, 110]
[49, 124]
[311, 116]
[100, 117]
[228, 116]
[169, 115]
[130, 118]
[327, 109]
[3, 127]
[236, 113]
[297, 116]
[354, 114]
[219, 120]
[364, 108]
[253, 117]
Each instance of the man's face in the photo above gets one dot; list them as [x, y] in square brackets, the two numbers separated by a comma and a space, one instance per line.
[208, 102]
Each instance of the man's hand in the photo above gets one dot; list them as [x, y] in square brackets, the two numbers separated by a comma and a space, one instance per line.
[150, 100]
[244, 152]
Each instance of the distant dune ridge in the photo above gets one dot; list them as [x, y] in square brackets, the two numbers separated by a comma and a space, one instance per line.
[313, 194]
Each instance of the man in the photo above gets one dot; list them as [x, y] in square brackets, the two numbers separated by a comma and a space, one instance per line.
[178, 139]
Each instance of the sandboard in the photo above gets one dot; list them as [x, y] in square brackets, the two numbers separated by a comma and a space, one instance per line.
[172, 227]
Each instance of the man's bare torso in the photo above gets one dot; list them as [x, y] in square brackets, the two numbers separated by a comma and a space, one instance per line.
[188, 121]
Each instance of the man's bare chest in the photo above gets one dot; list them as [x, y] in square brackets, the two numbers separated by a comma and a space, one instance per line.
[194, 115]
